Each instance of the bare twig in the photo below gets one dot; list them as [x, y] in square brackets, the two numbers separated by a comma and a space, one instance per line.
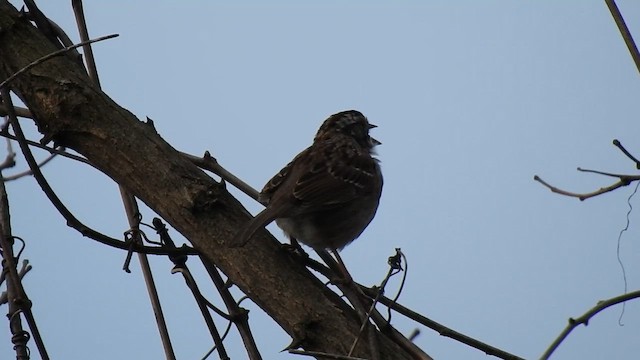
[180, 265]
[29, 172]
[51, 150]
[52, 55]
[626, 180]
[619, 145]
[441, 329]
[23, 271]
[584, 319]
[624, 31]
[239, 316]
[19, 302]
[394, 267]
[623, 180]
[210, 163]
[84, 37]
[132, 211]
[10, 159]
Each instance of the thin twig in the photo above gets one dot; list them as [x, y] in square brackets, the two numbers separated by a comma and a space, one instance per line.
[619, 145]
[23, 271]
[10, 159]
[239, 316]
[133, 217]
[51, 150]
[180, 265]
[394, 268]
[29, 172]
[623, 182]
[52, 55]
[584, 319]
[441, 329]
[19, 302]
[210, 163]
[78, 11]
[624, 179]
[624, 31]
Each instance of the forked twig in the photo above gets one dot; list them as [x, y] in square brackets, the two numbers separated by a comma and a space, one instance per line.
[623, 180]
[395, 266]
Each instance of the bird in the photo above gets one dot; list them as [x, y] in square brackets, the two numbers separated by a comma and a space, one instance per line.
[329, 193]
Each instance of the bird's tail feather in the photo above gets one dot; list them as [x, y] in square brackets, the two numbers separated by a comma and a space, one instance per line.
[259, 221]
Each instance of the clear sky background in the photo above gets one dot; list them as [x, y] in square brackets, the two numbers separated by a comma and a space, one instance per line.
[472, 99]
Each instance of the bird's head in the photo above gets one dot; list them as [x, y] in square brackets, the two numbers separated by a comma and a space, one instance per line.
[350, 123]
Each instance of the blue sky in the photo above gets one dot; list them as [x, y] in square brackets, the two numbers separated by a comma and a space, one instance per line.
[472, 99]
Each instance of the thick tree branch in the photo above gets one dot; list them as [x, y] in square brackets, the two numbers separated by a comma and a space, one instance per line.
[74, 113]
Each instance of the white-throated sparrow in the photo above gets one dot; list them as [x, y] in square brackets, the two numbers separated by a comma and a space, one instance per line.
[328, 194]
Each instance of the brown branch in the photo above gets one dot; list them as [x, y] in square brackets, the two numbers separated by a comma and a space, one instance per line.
[584, 319]
[72, 221]
[92, 69]
[210, 163]
[624, 181]
[624, 31]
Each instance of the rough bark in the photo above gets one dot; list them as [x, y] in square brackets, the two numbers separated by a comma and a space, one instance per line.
[72, 112]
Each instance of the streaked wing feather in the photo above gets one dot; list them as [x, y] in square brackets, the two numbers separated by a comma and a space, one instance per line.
[278, 179]
[338, 175]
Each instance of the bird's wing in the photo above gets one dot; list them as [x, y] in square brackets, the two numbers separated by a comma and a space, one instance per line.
[278, 179]
[335, 173]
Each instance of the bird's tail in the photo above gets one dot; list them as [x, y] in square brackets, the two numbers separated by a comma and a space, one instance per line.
[244, 235]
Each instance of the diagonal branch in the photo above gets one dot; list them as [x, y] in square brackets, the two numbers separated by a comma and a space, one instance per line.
[584, 319]
[76, 114]
[72, 221]
[624, 31]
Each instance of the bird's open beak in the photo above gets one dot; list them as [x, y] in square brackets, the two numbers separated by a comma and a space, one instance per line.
[373, 141]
